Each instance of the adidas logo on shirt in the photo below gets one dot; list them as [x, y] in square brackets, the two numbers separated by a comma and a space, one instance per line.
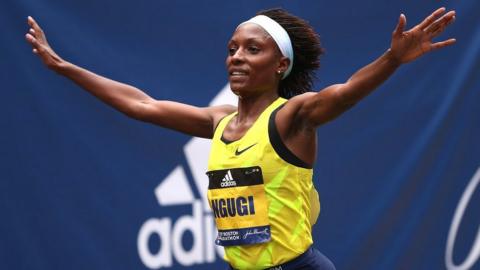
[228, 181]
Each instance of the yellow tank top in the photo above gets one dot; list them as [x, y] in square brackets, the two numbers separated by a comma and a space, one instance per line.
[261, 195]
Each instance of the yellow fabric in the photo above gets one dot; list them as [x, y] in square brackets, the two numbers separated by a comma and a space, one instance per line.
[292, 200]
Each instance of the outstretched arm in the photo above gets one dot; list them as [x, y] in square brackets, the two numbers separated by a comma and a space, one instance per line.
[127, 99]
[318, 108]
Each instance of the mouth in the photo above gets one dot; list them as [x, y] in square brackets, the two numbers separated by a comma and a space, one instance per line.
[237, 73]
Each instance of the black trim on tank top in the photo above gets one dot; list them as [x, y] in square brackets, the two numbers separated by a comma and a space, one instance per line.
[280, 147]
[218, 123]
[225, 140]
[221, 135]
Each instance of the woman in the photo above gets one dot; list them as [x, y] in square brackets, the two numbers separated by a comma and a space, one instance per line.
[263, 151]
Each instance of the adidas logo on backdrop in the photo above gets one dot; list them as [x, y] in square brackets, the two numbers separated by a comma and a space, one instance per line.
[175, 190]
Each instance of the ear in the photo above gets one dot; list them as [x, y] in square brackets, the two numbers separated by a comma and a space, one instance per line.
[283, 64]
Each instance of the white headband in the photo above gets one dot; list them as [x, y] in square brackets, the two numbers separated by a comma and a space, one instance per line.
[278, 33]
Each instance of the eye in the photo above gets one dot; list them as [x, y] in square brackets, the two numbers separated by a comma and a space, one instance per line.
[253, 49]
[231, 50]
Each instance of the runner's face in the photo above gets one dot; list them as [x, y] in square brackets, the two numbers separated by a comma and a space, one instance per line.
[253, 60]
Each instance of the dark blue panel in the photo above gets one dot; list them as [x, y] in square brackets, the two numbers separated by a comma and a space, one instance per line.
[78, 179]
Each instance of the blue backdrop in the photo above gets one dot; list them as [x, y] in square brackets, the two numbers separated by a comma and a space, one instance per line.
[84, 187]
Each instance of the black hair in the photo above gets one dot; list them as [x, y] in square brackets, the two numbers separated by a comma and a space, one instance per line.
[306, 52]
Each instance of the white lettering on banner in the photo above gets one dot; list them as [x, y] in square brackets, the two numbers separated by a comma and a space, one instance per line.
[161, 227]
[474, 254]
[189, 223]
[175, 190]
[203, 248]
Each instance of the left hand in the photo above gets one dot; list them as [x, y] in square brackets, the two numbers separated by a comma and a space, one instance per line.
[36, 37]
[409, 45]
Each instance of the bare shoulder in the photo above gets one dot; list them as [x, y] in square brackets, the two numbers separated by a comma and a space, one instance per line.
[219, 112]
[313, 109]
[293, 107]
[298, 101]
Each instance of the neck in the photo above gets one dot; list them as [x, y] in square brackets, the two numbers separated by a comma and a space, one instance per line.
[250, 107]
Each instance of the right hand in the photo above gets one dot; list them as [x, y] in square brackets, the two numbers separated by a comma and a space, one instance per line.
[37, 39]
[409, 45]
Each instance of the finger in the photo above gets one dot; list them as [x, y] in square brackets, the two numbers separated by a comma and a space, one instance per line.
[35, 51]
[32, 32]
[430, 19]
[438, 31]
[31, 39]
[34, 24]
[441, 28]
[30, 21]
[402, 21]
[441, 22]
[443, 44]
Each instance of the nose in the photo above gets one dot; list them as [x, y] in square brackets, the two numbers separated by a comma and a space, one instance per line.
[238, 56]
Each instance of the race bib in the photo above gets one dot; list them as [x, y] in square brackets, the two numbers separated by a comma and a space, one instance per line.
[239, 205]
